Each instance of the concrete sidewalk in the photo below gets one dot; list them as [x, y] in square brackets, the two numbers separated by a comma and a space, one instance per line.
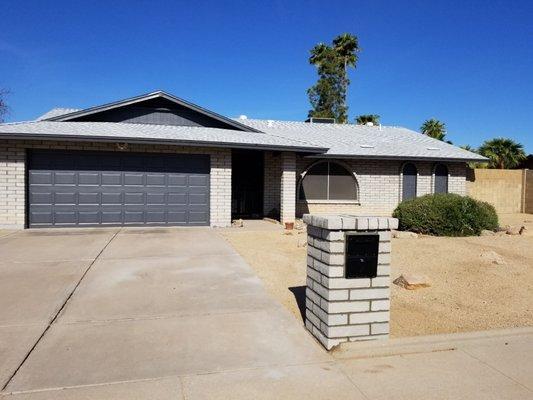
[480, 365]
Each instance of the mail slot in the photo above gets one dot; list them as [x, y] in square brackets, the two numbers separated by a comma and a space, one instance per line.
[361, 255]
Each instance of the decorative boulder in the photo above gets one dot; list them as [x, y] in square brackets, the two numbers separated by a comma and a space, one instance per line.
[486, 232]
[492, 257]
[412, 281]
[404, 235]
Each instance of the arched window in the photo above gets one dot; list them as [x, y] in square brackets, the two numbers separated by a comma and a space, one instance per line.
[328, 181]
[441, 179]
[409, 174]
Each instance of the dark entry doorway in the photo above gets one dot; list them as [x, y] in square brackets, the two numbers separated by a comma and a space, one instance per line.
[247, 184]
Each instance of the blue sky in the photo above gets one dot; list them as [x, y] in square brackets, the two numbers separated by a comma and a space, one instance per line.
[467, 63]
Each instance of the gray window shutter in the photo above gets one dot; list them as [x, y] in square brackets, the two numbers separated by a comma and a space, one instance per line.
[441, 179]
[409, 181]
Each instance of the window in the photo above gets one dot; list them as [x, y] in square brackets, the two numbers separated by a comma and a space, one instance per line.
[441, 179]
[409, 177]
[328, 181]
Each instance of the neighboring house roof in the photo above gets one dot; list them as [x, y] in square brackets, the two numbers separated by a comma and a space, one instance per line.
[157, 134]
[361, 141]
[56, 112]
[323, 140]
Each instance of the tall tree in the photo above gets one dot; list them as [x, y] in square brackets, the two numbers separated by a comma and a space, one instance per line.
[3, 104]
[434, 128]
[503, 153]
[365, 118]
[346, 46]
[328, 95]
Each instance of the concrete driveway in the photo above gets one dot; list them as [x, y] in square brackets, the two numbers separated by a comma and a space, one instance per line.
[86, 308]
[177, 314]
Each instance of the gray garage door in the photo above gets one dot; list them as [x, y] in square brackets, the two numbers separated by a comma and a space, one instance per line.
[78, 188]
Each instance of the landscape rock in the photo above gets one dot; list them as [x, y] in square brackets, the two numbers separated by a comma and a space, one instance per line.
[514, 230]
[412, 281]
[486, 232]
[492, 257]
[403, 234]
[299, 225]
[237, 223]
[302, 240]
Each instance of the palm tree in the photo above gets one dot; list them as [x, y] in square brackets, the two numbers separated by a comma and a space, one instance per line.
[434, 128]
[318, 54]
[346, 46]
[502, 152]
[365, 118]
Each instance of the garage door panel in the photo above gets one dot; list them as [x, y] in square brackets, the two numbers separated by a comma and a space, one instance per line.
[198, 180]
[64, 178]
[155, 216]
[41, 198]
[198, 217]
[155, 198]
[111, 198]
[133, 198]
[41, 177]
[111, 179]
[134, 179]
[88, 178]
[111, 217]
[88, 198]
[198, 199]
[177, 199]
[41, 217]
[177, 180]
[156, 180]
[96, 188]
[65, 217]
[133, 217]
[177, 217]
[89, 217]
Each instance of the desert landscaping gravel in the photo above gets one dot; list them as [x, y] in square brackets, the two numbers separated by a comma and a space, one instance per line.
[469, 291]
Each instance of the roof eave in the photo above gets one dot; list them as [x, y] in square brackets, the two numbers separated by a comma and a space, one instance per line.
[176, 142]
[403, 158]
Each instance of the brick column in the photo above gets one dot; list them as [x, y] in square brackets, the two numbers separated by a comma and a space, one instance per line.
[341, 309]
[288, 188]
[12, 185]
[220, 202]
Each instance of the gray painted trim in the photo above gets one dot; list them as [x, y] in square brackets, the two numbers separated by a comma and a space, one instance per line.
[149, 96]
[77, 138]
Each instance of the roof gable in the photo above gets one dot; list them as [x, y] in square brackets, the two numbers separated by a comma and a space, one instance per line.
[157, 108]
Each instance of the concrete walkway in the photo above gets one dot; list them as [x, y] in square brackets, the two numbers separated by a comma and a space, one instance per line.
[177, 314]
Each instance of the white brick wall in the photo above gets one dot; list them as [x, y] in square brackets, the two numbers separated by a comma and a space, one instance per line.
[13, 173]
[288, 187]
[380, 186]
[272, 183]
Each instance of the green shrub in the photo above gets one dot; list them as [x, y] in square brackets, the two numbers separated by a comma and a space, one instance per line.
[446, 215]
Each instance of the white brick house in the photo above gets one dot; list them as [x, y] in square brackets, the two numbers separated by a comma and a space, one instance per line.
[158, 160]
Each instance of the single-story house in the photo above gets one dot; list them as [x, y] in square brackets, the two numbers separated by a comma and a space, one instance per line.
[156, 159]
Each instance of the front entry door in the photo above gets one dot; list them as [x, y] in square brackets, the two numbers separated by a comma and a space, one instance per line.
[247, 184]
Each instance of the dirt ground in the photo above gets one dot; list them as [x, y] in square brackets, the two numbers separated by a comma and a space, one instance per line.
[467, 292]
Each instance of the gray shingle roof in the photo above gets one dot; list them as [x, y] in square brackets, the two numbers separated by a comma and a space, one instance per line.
[145, 133]
[348, 140]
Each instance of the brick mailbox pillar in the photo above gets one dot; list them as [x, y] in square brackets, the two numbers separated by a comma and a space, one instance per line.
[348, 277]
